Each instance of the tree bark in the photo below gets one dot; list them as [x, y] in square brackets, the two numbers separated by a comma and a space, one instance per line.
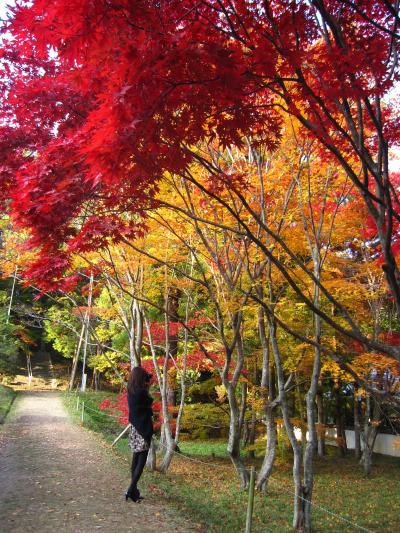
[268, 389]
[357, 424]
[76, 358]
[372, 421]
[174, 296]
[340, 431]
[234, 436]
[298, 508]
[309, 449]
[151, 462]
[252, 434]
[270, 453]
[321, 445]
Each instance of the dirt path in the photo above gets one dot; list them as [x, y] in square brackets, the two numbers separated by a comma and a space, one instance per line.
[54, 476]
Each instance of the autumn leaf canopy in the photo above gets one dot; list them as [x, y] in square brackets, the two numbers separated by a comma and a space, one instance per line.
[102, 98]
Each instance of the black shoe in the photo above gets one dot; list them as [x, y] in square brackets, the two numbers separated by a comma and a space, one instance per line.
[134, 496]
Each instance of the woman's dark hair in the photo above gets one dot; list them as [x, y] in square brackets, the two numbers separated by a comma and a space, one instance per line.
[138, 379]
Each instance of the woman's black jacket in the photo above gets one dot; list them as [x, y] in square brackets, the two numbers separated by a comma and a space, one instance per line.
[140, 413]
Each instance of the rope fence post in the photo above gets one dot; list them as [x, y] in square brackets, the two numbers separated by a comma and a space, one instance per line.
[121, 435]
[250, 502]
[83, 411]
[77, 403]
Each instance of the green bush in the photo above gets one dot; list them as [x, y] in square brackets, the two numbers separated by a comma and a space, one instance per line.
[204, 421]
[203, 391]
[7, 396]
[9, 348]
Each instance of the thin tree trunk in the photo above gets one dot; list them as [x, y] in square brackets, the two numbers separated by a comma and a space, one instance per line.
[340, 432]
[298, 509]
[76, 357]
[166, 441]
[269, 409]
[174, 296]
[270, 453]
[372, 421]
[357, 424]
[151, 462]
[234, 435]
[184, 362]
[321, 445]
[243, 406]
[311, 444]
[169, 441]
[252, 434]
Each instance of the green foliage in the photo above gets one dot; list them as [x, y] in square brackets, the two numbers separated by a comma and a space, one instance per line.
[7, 396]
[203, 391]
[62, 329]
[102, 364]
[204, 420]
[9, 347]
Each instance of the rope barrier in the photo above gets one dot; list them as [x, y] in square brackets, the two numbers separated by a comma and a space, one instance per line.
[288, 491]
[98, 411]
[283, 487]
[180, 454]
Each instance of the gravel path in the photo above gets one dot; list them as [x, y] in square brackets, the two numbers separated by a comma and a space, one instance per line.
[55, 476]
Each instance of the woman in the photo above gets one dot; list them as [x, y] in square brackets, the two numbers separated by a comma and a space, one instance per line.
[140, 416]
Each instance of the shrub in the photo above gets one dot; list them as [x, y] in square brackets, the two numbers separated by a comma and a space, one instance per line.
[204, 421]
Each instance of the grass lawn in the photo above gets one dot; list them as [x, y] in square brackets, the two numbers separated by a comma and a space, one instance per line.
[7, 396]
[202, 483]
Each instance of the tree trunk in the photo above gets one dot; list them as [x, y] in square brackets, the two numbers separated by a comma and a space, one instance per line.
[234, 436]
[298, 508]
[167, 443]
[311, 396]
[174, 296]
[340, 431]
[270, 453]
[357, 424]
[243, 406]
[76, 358]
[311, 444]
[151, 462]
[268, 390]
[252, 435]
[321, 425]
[372, 421]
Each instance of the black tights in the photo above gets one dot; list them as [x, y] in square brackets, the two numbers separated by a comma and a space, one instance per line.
[138, 463]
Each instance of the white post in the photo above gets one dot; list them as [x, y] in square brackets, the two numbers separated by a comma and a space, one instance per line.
[87, 317]
[76, 357]
[83, 411]
[77, 402]
[29, 368]
[12, 295]
[121, 434]
[84, 379]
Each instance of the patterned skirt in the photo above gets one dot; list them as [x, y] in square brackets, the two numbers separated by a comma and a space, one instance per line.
[136, 442]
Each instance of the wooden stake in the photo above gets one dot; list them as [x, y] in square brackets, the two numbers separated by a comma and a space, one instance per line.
[121, 434]
[12, 295]
[250, 503]
[83, 384]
